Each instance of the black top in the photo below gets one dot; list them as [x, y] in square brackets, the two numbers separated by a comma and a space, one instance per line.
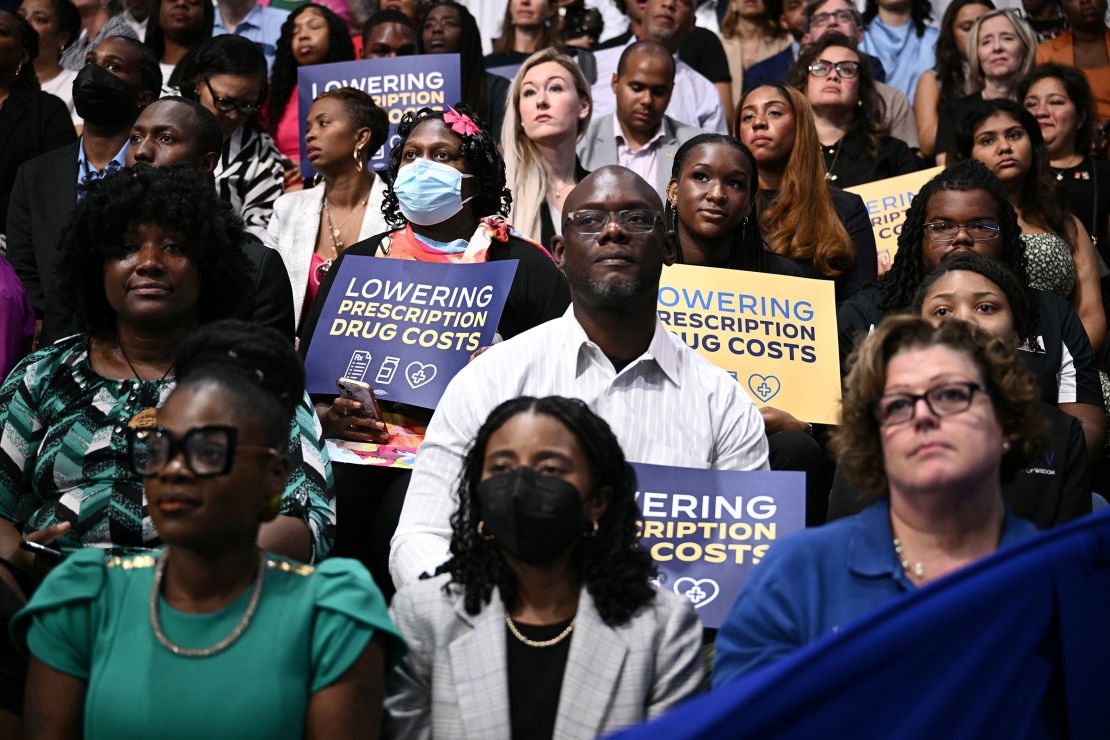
[547, 226]
[583, 58]
[852, 213]
[1086, 191]
[1053, 490]
[702, 50]
[31, 122]
[849, 163]
[535, 679]
[539, 291]
[1062, 363]
[1047, 30]
[497, 92]
[949, 116]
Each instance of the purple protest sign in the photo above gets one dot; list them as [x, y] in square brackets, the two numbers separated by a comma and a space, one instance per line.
[405, 327]
[397, 85]
[705, 529]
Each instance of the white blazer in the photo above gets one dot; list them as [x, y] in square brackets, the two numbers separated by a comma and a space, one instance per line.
[295, 225]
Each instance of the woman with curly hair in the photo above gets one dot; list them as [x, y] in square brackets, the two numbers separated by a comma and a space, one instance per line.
[312, 34]
[143, 272]
[949, 80]
[447, 204]
[1059, 255]
[546, 606]
[856, 144]
[965, 209]
[801, 215]
[934, 420]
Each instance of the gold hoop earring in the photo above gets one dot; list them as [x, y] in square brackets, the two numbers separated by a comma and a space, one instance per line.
[358, 157]
[481, 531]
[593, 532]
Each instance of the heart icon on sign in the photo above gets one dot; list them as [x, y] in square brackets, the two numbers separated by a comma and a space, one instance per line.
[419, 373]
[764, 387]
[699, 591]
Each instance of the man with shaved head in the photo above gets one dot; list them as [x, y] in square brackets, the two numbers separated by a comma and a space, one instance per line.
[666, 404]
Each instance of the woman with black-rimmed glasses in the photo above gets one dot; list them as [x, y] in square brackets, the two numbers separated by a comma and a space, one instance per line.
[933, 421]
[856, 144]
[227, 75]
[154, 643]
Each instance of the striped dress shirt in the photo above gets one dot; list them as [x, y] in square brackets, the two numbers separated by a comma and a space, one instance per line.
[668, 407]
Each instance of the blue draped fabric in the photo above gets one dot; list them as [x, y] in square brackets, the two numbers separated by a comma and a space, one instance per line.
[904, 54]
[1014, 646]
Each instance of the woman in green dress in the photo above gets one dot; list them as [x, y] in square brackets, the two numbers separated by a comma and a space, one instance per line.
[212, 637]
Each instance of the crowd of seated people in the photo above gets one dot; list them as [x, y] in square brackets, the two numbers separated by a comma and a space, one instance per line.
[165, 270]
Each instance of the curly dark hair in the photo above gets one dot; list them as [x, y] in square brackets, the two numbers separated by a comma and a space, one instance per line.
[283, 76]
[478, 151]
[747, 252]
[951, 68]
[1018, 295]
[255, 362]
[471, 60]
[171, 197]
[868, 118]
[1078, 90]
[612, 565]
[897, 289]
[29, 44]
[922, 14]
[1040, 200]
[156, 37]
[1013, 392]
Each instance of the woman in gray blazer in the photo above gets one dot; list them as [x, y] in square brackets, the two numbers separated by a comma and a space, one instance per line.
[545, 622]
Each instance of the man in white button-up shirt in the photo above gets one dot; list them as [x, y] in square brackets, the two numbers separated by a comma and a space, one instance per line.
[665, 403]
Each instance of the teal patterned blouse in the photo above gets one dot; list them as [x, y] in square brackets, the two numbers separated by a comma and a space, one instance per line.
[63, 454]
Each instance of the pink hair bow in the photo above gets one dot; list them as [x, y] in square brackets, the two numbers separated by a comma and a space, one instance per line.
[460, 123]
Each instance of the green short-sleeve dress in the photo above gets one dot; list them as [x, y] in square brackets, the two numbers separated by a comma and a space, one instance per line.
[90, 619]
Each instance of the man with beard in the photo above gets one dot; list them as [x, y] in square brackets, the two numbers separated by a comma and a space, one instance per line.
[666, 404]
[119, 79]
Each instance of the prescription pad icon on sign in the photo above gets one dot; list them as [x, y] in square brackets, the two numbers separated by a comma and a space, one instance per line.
[359, 364]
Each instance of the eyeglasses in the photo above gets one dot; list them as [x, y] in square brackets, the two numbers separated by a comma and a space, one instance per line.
[844, 70]
[823, 19]
[979, 231]
[228, 105]
[632, 220]
[943, 400]
[209, 451]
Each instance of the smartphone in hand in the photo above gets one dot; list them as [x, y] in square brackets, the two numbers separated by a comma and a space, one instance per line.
[47, 552]
[356, 390]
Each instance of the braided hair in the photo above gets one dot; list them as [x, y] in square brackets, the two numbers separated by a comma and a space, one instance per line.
[256, 363]
[614, 568]
[897, 289]
[479, 151]
[284, 76]
[747, 251]
[471, 60]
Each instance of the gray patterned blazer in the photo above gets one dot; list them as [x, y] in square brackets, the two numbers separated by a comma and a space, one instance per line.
[454, 681]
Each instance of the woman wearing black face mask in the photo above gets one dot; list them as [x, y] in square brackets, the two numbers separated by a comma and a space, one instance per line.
[546, 608]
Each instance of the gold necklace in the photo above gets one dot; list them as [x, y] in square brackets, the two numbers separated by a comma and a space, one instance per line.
[337, 231]
[540, 643]
[829, 176]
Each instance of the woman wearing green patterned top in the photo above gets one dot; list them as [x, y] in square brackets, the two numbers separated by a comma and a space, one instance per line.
[150, 254]
[214, 637]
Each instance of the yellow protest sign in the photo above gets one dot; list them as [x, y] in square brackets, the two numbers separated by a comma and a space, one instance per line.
[887, 201]
[775, 334]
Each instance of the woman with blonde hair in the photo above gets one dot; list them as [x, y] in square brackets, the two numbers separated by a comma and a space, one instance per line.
[549, 110]
[1001, 50]
[824, 229]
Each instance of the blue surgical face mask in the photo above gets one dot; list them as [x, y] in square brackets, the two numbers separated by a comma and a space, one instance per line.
[428, 192]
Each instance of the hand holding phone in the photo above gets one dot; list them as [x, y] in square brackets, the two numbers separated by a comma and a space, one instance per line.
[363, 394]
[43, 551]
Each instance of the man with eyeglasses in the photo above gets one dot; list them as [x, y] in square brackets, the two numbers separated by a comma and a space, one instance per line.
[120, 78]
[665, 404]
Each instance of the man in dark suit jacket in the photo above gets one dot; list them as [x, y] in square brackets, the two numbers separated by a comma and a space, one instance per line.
[181, 131]
[45, 190]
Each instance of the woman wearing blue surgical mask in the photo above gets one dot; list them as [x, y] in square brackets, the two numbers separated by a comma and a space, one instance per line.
[545, 615]
[447, 204]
